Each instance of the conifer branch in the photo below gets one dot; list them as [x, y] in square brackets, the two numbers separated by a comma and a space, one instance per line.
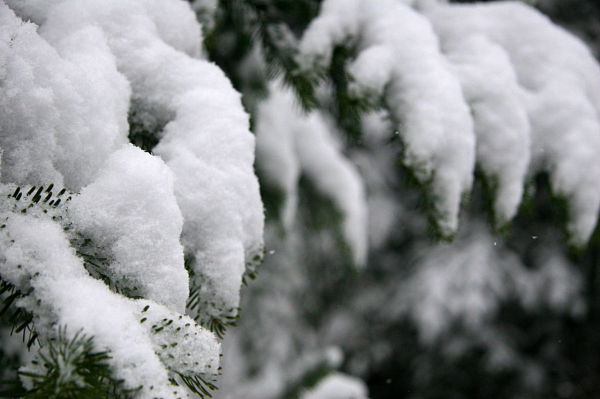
[71, 368]
[265, 22]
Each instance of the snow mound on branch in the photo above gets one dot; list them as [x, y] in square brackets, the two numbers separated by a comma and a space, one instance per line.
[182, 345]
[57, 125]
[490, 86]
[206, 141]
[399, 52]
[562, 97]
[532, 89]
[71, 85]
[290, 143]
[36, 254]
[130, 211]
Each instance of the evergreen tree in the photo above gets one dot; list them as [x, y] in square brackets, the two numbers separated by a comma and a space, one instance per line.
[429, 174]
[119, 264]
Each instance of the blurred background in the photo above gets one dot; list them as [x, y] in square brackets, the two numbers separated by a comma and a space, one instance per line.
[514, 314]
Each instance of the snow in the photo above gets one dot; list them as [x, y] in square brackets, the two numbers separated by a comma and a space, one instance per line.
[36, 254]
[470, 279]
[65, 93]
[465, 281]
[276, 149]
[338, 386]
[562, 97]
[131, 214]
[290, 143]
[66, 90]
[502, 128]
[182, 345]
[56, 124]
[206, 141]
[555, 284]
[333, 175]
[377, 160]
[423, 96]
[371, 71]
[336, 23]
[531, 87]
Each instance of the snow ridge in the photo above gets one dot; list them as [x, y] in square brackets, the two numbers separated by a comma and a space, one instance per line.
[420, 92]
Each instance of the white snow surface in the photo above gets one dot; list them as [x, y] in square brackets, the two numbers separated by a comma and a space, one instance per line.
[290, 143]
[65, 94]
[57, 124]
[65, 294]
[182, 345]
[502, 128]
[399, 52]
[338, 386]
[131, 212]
[206, 142]
[561, 79]
[533, 91]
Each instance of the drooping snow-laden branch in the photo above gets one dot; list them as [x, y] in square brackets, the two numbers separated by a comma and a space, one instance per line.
[558, 81]
[66, 90]
[497, 85]
[289, 144]
[399, 54]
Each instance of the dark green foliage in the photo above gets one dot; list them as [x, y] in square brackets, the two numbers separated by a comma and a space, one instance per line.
[320, 213]
[275, 25]
[71, 368]
[488, 192]
[140, 137]
[347, 110]
[426, 203]
[273, 199]
[145, 125]
[251, 271]
[560, 345]
[208, 314]
[413, 370]
[198, 385]
[540, 207]
[20, 320]
[98, 264]
[12, 388]
[37, 196]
